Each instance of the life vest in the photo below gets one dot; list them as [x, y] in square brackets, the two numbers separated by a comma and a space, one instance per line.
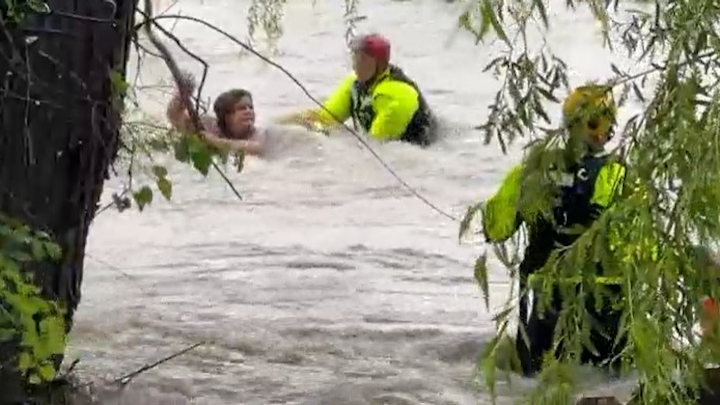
[422, 128]
[574, 207]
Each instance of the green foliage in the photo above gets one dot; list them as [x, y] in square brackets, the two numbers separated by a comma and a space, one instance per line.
[15, 11]
[26, 317]
[119, 90]
[670, 203]
[267, 14]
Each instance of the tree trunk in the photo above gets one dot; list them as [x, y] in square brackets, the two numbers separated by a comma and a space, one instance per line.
[59, 130]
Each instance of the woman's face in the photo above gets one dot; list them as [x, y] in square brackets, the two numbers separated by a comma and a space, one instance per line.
[242, 118]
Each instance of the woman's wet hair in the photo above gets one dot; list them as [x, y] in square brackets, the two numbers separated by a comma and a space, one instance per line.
[225, 105]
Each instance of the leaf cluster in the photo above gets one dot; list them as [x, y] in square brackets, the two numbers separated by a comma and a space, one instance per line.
[26, 317]
[14, 12]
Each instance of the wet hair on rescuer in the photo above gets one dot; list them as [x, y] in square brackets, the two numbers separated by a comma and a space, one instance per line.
[225, 105]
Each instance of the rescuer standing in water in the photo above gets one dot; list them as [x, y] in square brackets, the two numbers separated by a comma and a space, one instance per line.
[586, 188]
[378, 96]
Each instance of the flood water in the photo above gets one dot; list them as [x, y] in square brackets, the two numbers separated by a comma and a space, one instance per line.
[329, 283]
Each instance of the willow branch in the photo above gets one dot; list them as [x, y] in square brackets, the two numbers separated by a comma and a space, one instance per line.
[656, 68]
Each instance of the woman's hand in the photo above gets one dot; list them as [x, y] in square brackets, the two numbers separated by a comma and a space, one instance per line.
[187, 83]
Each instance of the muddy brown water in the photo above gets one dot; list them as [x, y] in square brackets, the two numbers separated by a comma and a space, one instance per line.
[329, 283]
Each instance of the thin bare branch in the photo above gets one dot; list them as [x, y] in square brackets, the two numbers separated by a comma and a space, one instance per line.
[127, 378]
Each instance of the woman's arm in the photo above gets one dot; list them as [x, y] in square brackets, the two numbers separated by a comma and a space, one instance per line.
[337, 106]
[180, 119]
[255, 146]
[177, 114]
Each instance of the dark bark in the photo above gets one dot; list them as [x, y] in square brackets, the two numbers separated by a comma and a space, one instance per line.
[59, 129]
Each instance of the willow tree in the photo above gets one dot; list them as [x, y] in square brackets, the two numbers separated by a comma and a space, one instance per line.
[62, 101]
[671, 202]
[59, 120]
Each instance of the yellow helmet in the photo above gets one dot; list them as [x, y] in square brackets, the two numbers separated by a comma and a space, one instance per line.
[592, 106]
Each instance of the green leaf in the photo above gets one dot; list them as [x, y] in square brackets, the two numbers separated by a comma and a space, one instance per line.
[7, 334]
[158, 144]
[159, 171]
[500, 60]
[488, 362]
[239, 161]
[480, 273]
[182, 150]
[491, 16]
[485, 22]
[165, 187]
[18, 256]
[38, 250]
[464, 21]
[540, 5]
[506, 357]
[118, 83]
[503, 315]
[547, 95]
[200, 154]
[638, 92]
[201, 160]
[53, 250]
[38, 6]
[467, 219]
[143, 197]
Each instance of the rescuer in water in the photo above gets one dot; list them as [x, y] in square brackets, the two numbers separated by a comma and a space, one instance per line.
[583, 190]
[378, 96]
[232, 128]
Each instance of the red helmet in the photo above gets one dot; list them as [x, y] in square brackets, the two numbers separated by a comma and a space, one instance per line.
[374, 45]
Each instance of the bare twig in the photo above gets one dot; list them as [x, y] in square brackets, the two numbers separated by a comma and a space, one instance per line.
[127, 378]
[150, 19]
[184, 97]
[205, 66]
[655, 68]
[72, 367]
[113, 268]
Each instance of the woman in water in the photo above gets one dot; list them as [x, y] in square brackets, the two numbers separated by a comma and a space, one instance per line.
[233, 127]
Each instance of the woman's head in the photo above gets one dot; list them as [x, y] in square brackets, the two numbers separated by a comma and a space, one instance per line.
[235, 113]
